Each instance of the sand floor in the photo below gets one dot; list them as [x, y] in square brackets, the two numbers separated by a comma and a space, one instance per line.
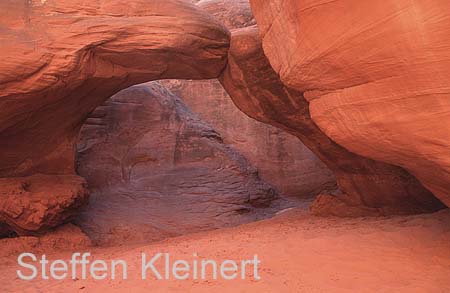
[298, 253]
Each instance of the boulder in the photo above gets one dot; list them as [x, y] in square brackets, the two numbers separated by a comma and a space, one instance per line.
[34, 204]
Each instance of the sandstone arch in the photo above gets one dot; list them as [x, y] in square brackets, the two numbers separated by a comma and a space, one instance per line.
[62, 59]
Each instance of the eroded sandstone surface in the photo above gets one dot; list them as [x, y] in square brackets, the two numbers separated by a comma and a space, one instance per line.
[232, 13]
[363, 85]
[61, 59]
[257, 90]
[375, 73]
[64, 58]
[156, 170]
[33, 204]
[281, 158]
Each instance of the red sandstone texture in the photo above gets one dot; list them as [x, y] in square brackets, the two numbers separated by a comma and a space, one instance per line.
[64, 58]
[363, 85]
[257, 90]
[281, 158]
[157, 170]
[61, 59]
[144, 151]
[232, 13]
[33, 204]
[376, 76]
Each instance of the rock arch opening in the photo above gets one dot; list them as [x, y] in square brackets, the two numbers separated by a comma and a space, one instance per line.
[149, 159]
[61, 68]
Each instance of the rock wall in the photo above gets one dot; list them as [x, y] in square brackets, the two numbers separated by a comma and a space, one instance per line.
[156, 170]
[280, 158]
[376, 75]
[257, 90]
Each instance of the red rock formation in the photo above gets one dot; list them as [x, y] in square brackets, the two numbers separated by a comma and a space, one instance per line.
[376, 74]
[67, 237]
[232, 13]
[54, 76]
[377, 80]
[257, 90]
[148, 159]
[36, 203]
[281, 159]
[63, 58]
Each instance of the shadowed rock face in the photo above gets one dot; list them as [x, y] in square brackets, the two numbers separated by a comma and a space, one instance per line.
[376, 75]
[148, 159]
[281, 158]
[61, 59]
[257, 90]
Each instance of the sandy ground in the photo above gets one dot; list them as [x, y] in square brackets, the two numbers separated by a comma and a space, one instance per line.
[299, 253]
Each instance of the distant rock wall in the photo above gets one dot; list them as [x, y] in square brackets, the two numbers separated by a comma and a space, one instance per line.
[280, 158]
[156, 170]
